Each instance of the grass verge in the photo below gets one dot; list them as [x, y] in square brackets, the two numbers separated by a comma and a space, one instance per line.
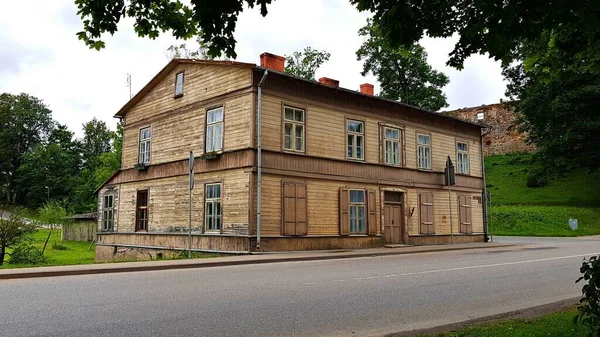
[556, 324]
[544, 220]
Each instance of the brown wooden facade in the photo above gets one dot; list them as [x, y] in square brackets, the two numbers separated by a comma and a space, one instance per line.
[315, 195]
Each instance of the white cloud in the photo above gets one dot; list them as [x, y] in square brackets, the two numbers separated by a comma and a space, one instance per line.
[43, 57]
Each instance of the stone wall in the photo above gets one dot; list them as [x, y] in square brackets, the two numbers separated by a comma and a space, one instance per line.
[505, 136]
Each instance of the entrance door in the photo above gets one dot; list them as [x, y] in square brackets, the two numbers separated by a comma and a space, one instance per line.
[393, 228]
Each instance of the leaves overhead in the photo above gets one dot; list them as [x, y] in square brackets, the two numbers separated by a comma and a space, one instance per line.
[403, 73]
[214, 20]
[305, 63]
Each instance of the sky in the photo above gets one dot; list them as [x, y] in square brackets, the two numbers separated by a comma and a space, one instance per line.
[41, 55]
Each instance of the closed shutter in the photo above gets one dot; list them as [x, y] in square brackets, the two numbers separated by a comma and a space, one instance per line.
[465, 215]
[294, 209]
[344, 216]
[372, 211]
[426, 213]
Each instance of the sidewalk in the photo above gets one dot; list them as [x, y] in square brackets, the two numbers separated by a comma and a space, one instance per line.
[255, 258]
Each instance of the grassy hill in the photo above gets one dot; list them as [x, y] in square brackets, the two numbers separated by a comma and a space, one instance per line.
[541, 211]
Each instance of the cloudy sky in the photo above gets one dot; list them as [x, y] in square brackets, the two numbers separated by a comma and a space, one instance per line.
[40, 55]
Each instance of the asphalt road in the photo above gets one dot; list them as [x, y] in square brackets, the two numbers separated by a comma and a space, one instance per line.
[349, 297]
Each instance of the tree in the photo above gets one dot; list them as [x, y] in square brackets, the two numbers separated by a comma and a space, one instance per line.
[557, 95]
[588, 311]
[403, 73]
[304, 64]
[55, 215]
[13, 230]
[25, 123]
[183, 52]
[96, 141]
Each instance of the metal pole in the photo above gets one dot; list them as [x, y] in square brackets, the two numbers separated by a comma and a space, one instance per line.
[259, 160]
[450, 203]
[485, 192]
[490, 217]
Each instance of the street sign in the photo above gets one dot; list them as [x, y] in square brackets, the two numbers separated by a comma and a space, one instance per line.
[573, 223]
[449, 177]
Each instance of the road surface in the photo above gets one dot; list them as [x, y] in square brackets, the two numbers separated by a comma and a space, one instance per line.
[348, 297]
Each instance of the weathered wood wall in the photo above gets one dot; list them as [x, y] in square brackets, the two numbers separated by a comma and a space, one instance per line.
[326, 137]
[168, 202]
[80, 230]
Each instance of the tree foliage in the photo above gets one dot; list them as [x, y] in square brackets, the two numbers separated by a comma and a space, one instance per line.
[305, 63]
[588, 311]
[182, 51]
[13, 230]
[403, 72]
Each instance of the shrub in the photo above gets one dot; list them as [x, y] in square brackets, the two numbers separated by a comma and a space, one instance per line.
[26, 253]
[589, 304]
[537, 178]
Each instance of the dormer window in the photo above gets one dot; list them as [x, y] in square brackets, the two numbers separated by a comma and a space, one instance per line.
[179, 84]
[480, 116]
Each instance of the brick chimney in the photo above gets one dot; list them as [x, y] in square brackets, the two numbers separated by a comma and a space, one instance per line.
[367, 89]
[273, 62]
[329, 81]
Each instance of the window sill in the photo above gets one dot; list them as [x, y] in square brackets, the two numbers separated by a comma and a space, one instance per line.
[177, 96]
[356, 160]
[294, 151]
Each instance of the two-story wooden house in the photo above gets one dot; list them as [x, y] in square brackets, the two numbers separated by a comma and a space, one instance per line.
[284, 163]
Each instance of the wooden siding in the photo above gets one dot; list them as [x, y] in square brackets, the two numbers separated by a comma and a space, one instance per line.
[326, 134]
[200, 82]
[176, 134]
[296, 243]
[168, 202]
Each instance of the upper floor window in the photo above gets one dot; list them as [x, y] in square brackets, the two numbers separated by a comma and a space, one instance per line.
[480, 116]
[212, 207]
[391, 143]
[357, 212]
[179, 84]
[355, 131]
[424, 151]
[144, 149]
[214, 130]
[462, 157]
[108, 212]
[293, 137]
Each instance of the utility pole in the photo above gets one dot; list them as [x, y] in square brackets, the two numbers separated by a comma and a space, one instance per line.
[129, 84]
[190, 205]
[48, 194]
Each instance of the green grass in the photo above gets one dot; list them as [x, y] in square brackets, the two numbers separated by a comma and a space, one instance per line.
[542, 211]
[507, 181]
[544, 220]
[77, 252]
[555, 325]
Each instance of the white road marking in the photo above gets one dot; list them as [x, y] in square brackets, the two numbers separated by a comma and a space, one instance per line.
[461, 268]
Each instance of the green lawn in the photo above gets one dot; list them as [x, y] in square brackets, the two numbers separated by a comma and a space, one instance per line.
[77, 252]
[543, 211]
[554, 325]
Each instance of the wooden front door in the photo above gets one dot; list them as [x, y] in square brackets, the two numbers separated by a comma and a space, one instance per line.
[393, 224]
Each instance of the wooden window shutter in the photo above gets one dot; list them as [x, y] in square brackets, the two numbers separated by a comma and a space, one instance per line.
[301, 224]
[344, 216]
[465, 215]
[372, 213]
[426, 214]
[289, 209]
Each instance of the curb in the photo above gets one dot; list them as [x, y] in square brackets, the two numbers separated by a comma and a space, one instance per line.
[527, 313]
[115, 268]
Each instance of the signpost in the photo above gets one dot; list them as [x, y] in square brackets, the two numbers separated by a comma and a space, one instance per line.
[190, 205]
[449, 180]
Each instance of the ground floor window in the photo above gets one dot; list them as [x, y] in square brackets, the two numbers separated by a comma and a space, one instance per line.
[108, 213]
[212, 207]
[357, 212]
[141, 218]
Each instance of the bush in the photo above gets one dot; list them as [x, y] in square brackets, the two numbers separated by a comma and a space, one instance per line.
[26, 253]
[537, 178]
[589, 304]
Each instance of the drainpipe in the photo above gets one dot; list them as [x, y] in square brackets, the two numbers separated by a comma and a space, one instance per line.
[484, 198]
[259, 160]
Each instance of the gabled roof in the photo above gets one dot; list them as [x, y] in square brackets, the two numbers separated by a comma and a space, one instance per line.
[170, 66]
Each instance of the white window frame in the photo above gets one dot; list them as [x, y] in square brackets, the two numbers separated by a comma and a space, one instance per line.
[145, 146]
[354, 212]
[392, 158]
[352, 150]
[295, 137]
[217, 219]
[179, 77]
[213, 141]
[462, 158]
[108, 213]
[480, 116]
[423, 152]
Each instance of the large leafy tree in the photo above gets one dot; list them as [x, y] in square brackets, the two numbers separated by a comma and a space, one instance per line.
[25, 123]
[403, 72]
[305, 63]
[182, 51]
[96, 140]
